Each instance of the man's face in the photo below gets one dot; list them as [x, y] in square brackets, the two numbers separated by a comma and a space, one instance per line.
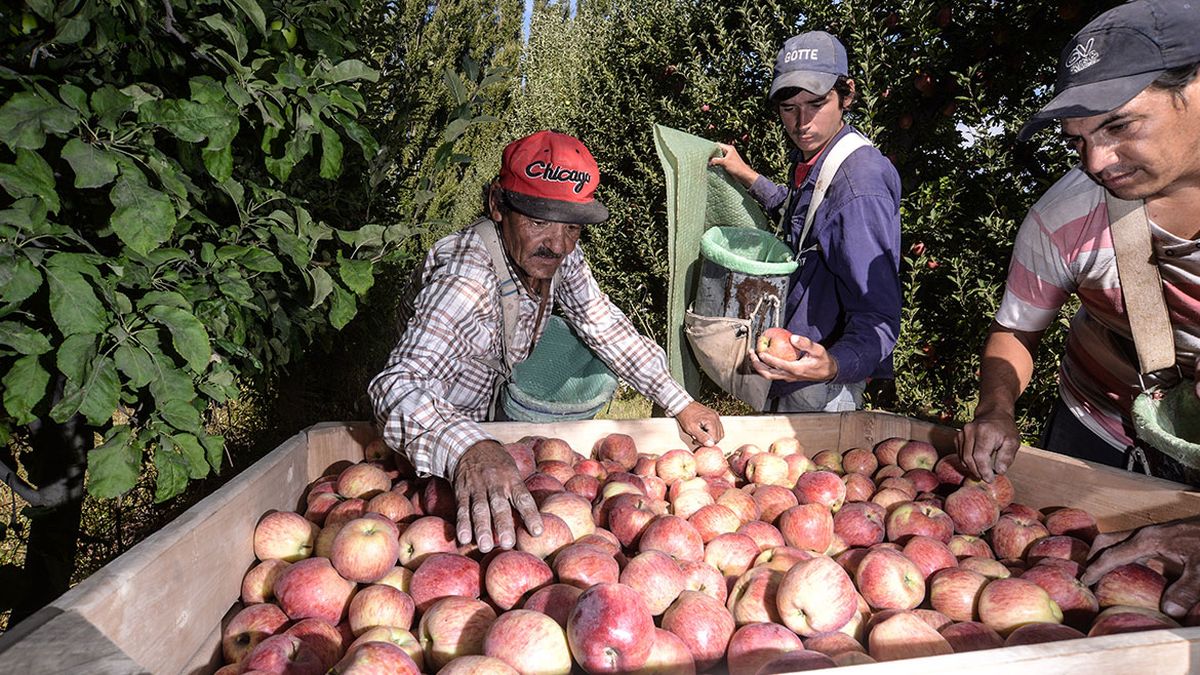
[536, 246]
[1146, 148]
[811, 120]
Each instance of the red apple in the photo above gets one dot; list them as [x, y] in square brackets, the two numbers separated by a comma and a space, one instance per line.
[964, 545]
[668, 656]
[732, 553]
[376, 657]
[778, 343]
[453, 626]
[656, 577]
[555, 535]
[1001, 489]
[437, 499]
[794, 662]
[929, 554]
[950, 470]
[1013, 535]
[741, 503]
[365, 549]
[477, 664]
[752, 599]
[821, 487]
[859, 487]
[442, 575]
[755, 644]
[542, 485]
[530, 642]
[1072, 522]
[909, 519]
[1006, 604]
[327, 640]
[610, 629]
[362, 481]
[889, 580]
[714, 519]
[320, 504]
[513, 574]
[703, 624]
[702, 577]
[972, 509]
[312, 588]
[250, 626]
[861, 461]
[628, 521]
[584, 486]
[584, 566]
[555, 601]
[380, 605]
[619, 448]
[829, 460]
[860, 524]
[591, 467]
[345, 511]
[259, 582]
[833, 643]
[1058, 546]
[560, 471]
[1037, 633]
[678, 464]
[988, 567]
[955, 592]
[808, 527]
[768, 469]
[888, 450]
[898, 483]
[690, 501]
[554, 449]
[674, 536]
[890, 498]
[283, 654]
[816, 596]
[1132, 585]
[285, 535]
[424, 536]
[970, 636]
[1123, 619]
[766, 535]
[905, 635]
[574, 510]
[773, 500]
[710, 461]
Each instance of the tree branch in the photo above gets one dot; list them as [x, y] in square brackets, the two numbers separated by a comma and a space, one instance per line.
[53, 495]
[168, 25]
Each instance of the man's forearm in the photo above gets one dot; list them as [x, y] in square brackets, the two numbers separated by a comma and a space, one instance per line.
[1006, 369]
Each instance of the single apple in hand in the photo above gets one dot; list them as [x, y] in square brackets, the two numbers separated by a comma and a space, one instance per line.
[778, 343]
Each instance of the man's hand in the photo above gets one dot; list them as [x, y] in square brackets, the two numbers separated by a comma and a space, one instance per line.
[702, 423]
[1177, 541]
[814, 365]
[487, 487]
[988, 444]
[734, 165]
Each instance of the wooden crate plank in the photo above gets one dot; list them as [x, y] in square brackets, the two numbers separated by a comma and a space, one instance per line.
[54, 641]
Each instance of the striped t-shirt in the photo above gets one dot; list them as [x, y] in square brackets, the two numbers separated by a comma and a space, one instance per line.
[1064, 247]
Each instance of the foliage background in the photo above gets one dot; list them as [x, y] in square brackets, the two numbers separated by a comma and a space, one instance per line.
[944, 87]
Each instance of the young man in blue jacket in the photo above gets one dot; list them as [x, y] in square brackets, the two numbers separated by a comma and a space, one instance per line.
[843, 306]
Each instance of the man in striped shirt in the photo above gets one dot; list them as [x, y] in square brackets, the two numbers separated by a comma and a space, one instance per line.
[441, 379]
[1128, 97]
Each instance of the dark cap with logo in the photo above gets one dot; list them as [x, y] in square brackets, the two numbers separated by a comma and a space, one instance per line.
[552, 176]
[1117, 55]
[811, 61]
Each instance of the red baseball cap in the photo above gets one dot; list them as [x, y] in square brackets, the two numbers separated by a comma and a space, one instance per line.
[552, 176]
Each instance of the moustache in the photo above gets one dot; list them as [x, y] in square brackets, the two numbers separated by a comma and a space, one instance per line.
[546, 253]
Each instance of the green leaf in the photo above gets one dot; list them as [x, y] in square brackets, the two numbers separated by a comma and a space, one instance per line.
[367, 236]
[168, 298]
[19, 279]
[113, 467]
[94, 167]
[193, 453]
[360, 135]
[72, 30]
[31, 176]
[172, 472]
[261, 260]
[109, 104]
[214, 451]
[351, 69]
[24, 386]
[74, 97]
[455, 85]
[356, 274]
[173, 393]
[102, 392]
[137, 365]
[322, 285]
[293, 247]
[144, 217]
[342, 309]
[26, 117]
[331, 153]
[219, 163]
[231, 33]
[73, 303]
[24, 339]
[254, 12]
[187, 334]
[74, 355]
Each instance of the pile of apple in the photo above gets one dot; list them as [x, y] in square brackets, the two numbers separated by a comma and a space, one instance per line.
[763, 561]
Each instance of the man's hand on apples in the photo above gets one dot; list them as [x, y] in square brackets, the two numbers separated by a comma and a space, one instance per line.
[487, 487]
[1176, 542]
[702, 423]
[988, 444]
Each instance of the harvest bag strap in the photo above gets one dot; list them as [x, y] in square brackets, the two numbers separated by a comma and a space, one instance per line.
[1141, 285]
[845, 146]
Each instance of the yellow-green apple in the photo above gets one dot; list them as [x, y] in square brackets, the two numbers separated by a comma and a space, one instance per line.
[906, 520]
[904, 635]
[778, 343]
[820, 487]
[794, 662]
[816, 596]
[917, 455]
[702, 577]
[965, 545]
[609, 629]
[380, 605]
[1037, 633]
[542, 485]
[828, 460]
[619, 448]
[554, 449]
[710, 461]
[923, 480]
[312, 588]
[970, 636]
[402, 638]
[656, 577]
[259, 582]
[424, 536]
[785, 445]
[1061, 546]
[345, 511]
[583, 566]
[1125, 619]
[955, 592]
[283, 654]
[668, 656]
[376, 657]
[972, 509]
[752, 598]
[555, 601]
[591, 467]
[1000, 487]
[833, 643]
[929, 554]
[324, 638]
[399, 578]
[451, 627]
[861, 461]
[890, 498]
[555, 535]
[772, 500]
[754, 644]
[285, 535]
[365, 549]
[898, 483]
[444, 574]
[677, 464]
[511, 575]
[477, 664]
[1072, 522]
[530, 642]
[362, 481]
[767, 469]
[807, 526]
[889, 580]
[859, 487]
[732, 553]
[765, 535]
[703, 624]
[1006, 604]
[674, 536]
[318, 506]
[988, 567]
[574, 510]
[887, 451]
[250, 626]
[1012, 535]
[561, 471]
[860, 524]
[1133, 585]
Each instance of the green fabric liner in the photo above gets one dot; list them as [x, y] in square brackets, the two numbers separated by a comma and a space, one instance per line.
[748, 251]
[561, 379]
[698, 197]
[1171, 423]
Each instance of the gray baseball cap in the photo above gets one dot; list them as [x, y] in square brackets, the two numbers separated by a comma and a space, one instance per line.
[1117, 55]
[811, 61]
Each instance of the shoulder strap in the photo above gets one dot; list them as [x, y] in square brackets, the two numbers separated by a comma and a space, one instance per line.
[1141, 285]
[844, 147]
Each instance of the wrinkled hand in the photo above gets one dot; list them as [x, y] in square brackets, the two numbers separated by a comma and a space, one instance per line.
[702, 423]
[988, 444]
[487, 487]
[1177, 542]
[734, 165]
[814, 365]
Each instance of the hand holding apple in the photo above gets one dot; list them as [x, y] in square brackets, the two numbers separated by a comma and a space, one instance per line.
[487, 485]
[701, 423]
[1177, 541]
[811, 364]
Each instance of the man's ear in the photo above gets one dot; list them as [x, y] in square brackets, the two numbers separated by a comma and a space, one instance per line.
[494, 197]
[853, 94]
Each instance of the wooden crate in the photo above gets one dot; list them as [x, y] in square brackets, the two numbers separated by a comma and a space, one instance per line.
[158, 608]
